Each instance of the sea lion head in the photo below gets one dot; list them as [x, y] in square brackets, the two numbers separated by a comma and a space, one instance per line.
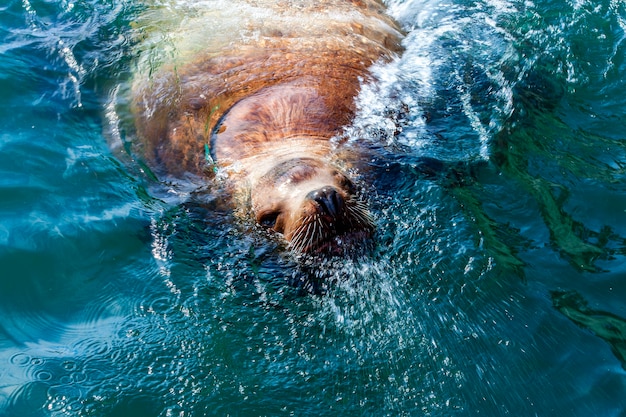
[314, 205]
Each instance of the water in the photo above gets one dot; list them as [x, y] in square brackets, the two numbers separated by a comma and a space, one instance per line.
[497, 292]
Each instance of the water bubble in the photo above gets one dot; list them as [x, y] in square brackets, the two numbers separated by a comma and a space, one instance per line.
[43, 375]
[69, 365]
[20, 359]
[66, 399]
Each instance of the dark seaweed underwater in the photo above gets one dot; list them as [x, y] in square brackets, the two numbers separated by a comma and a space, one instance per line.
[497, 291]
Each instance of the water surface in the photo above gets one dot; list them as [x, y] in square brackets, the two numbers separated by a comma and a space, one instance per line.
[496, 291]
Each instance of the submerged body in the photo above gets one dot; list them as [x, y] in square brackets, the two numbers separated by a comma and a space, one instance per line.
[265, 93]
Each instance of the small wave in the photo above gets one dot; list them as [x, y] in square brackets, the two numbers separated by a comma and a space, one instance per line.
[450, 92]
[59, 39]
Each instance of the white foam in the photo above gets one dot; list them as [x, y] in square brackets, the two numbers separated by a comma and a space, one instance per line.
[445, 45]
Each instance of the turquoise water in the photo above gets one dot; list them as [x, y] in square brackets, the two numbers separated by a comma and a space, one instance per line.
[498, 291]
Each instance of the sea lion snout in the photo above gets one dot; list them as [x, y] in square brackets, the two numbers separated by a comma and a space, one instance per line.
[331, 221]
[313, 204]
[329, 201]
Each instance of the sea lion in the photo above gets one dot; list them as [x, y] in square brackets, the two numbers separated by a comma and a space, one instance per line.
[260, 88]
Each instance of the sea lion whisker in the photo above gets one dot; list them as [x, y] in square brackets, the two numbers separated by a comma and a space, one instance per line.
[302, 241]
[360, 208]
[313, 231]
[298, 239]
[299, 245]
[303, 234]
[295, 242]
[298, 231]
[361, 216]
[303, 238]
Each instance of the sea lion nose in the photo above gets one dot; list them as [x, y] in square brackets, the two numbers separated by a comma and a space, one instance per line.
[329, 200]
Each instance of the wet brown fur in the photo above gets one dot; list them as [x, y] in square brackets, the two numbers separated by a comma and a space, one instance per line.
[273, 98]
[293, 86]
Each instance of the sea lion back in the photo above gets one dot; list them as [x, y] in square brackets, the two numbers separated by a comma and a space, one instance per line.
[223, 52]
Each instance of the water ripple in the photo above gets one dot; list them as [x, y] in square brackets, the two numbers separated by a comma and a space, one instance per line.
[117, 304]
[20, 359]
[56, 36]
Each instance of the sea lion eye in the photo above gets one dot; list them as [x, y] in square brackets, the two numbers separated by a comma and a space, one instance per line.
[268, 220]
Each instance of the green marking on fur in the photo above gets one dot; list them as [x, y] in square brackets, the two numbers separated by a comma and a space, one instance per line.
[209, 159]
[208, 119]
